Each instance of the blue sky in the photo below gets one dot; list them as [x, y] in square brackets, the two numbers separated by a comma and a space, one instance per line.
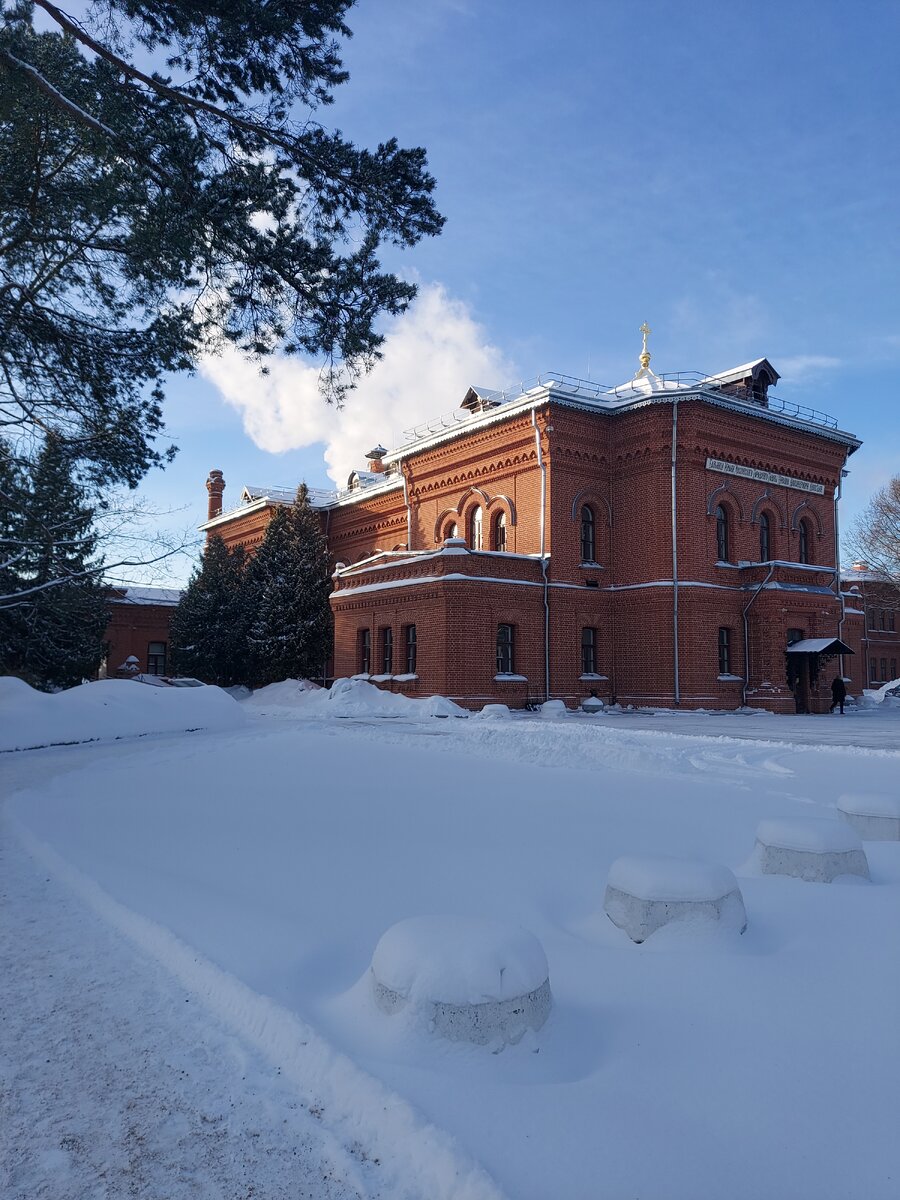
[728, 172]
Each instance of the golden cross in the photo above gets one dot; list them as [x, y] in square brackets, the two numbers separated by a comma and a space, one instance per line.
[645, 353]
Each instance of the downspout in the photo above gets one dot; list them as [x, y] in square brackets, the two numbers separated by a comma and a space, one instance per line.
[747, 634]
[675, 552]
[543, 535]
[837, 560]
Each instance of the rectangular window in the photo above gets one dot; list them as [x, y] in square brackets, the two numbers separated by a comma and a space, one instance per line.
[870, 618]
[724, 651]
[387, 650]
[891, 621]
[873, 670]
[410, 649]
[156, 658]
[588, 651]
[893, 668]
[505, 650]
[883, 619]
[884, 673]
[364, 651]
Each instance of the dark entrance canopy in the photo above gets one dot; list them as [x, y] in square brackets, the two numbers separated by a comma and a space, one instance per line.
[819, 646]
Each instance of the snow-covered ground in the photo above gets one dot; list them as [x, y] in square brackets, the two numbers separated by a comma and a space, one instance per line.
[191, 919]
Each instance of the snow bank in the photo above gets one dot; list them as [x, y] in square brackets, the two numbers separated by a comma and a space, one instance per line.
[554, 708]
[643, 894]
[468, 979]
[108, 708]
[350, 698]
[875, 816]
[815, 849]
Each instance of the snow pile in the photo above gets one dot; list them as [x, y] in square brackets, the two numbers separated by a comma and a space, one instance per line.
[875, 816]
[643, 894]
[108, 708]
[495, 712]
[350, 698]
[814, 848]
[466, 978]
[554, 708]
[888, 693]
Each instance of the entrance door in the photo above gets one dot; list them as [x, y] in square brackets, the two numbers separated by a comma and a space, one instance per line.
[798, 677]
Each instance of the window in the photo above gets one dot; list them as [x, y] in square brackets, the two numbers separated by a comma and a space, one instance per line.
[387, 650]
[505, 649]
[803, 546]
[724, 651]
[891, 621]
[873, 670]
[500, 531]
[410, 639]
[870, 618]
[765, 538]
[721, 534]
[156, 658]
[883, 619]
[588, 651]
[588, 545]
[884, 673]
[364, 651]
[893, 674]
[475, 530]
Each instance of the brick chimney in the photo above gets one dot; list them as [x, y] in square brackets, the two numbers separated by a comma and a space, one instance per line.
[374, 458]
[215, 485]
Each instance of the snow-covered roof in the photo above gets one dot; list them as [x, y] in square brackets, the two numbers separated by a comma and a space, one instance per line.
[147, 595]
[646, 388]
[819, 646]
[318, 497]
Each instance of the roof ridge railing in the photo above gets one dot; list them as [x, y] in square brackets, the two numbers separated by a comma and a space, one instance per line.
[575, 386]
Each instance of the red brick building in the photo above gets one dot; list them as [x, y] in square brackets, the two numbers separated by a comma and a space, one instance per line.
[137, 636]
[660, 543]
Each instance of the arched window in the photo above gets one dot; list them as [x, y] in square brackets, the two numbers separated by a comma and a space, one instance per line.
[765, 538]
[722, 534]
[475, 529]
[803, 542]
[588, 544]
[500, 531]
[452, 530]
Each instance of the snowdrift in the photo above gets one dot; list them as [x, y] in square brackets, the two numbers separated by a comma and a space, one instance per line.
[350, 698]
[108, 708]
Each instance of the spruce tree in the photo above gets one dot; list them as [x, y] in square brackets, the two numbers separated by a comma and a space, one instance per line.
[55, 614]
[209, 626]
[288, 582]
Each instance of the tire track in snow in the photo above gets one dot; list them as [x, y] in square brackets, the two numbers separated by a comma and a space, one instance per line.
[384, 1148]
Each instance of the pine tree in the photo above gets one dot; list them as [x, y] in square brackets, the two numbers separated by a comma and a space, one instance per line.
[209, 626]
[139, 142]
[56, 612]
[288, 582]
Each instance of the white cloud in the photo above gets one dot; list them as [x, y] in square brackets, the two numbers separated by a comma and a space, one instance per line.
[804, 368]
[430, 356]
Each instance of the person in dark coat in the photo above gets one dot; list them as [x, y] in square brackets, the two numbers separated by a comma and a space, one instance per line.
[838, 694]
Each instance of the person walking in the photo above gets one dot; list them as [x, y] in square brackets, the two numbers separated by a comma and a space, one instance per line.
[838, 694]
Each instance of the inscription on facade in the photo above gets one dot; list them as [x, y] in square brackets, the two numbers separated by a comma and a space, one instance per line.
[727, 468]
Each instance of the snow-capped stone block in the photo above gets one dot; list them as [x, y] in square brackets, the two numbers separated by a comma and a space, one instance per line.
[875, 816]
[554, 708]
[643, 894]
[816, 849]
[495, 712]
[592, 704]
[466, 979]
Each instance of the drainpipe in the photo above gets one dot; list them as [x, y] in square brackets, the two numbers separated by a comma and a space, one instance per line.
[543, 533]
[675, 552]
[747, 634]
[408, 509]
[837, 559]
